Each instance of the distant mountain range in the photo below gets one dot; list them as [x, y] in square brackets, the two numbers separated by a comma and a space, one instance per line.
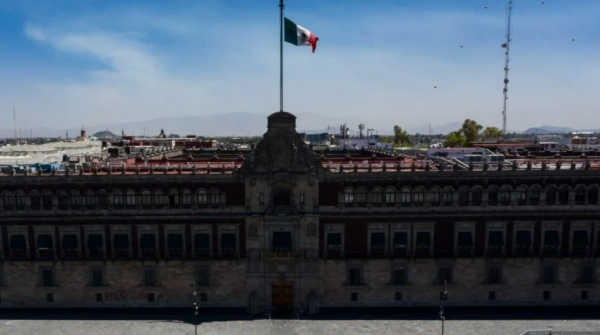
[248, 124]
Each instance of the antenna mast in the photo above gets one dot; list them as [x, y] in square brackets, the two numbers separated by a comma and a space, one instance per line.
[506, 45]
[15, 123]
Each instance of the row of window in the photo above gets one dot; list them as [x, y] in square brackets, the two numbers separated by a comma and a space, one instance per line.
[492, 295]
[90, 199]
[475, 196]
[95, 246]
[97, 277]
[493, 274]
[404, 241]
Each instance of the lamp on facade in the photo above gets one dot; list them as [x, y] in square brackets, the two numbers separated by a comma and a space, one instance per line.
[195, 293]
[443, 297]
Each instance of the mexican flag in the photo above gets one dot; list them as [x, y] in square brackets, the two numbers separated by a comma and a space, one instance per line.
[298, 35]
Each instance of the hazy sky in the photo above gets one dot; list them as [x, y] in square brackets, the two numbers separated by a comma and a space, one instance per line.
[65, 63]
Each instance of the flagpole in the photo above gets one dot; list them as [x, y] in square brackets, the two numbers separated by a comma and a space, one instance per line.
[281, 55]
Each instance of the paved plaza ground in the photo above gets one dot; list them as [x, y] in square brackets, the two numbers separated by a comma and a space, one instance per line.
[348, 323]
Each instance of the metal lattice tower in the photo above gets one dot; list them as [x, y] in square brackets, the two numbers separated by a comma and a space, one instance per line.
[506, 45]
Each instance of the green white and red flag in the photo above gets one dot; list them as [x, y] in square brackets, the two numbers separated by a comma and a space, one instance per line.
[298, 35]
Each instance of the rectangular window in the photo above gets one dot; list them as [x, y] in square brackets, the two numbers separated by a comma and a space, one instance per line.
[334, 243]
[354, 276]
[491, 295]
[175, 244]
[523, 242]
[203, 297]
[121, 245]
[584, 295]
[282, 241]
[444, 275]
[378, 242]
[148, 245]
[495, 240]
[99, 297]
[551, 241]
[151, 297]
[354, 296]
[423, 242]
[228, 244]
[465, 240]
[202, 244]
[399, 276]
[97, 277]
[149, 277]
[48, 277]
[400, 243]
[95, 245]
[494, 275]
[398, 296]
[202, 278]
[49, 297]
[546, 295]
[548, 274]
[70, 246]
[45, 246]
[18, 246]
[580, 241]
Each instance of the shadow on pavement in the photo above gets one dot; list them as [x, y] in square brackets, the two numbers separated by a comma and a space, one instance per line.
[221, 315]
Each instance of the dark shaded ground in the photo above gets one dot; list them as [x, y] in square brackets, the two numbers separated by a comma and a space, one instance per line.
[464, 321]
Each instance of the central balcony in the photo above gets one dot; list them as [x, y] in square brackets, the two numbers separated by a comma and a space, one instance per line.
[281, 255]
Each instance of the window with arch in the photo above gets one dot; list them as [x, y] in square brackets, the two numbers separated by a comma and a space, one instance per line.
[102, 199]
[476, 196]
[521, 195]
[130, 200]
[504, 196]
[158, 199]
[390, 195]
[146, 199]
[215, 197]
[492, 196]
[20, 200]
[202, 197]
[47, 200]
[447, 196]
[91, 201]
[580, 195]
[75, 199]
[434, 196]
[8, 201]
[118, 199]
[405, 196]
[186, 198]
[534, 195]
[418, 196]
[63, 200]
[551, 195]
[377, 196]
[361, 196]
[463, 196]
[592, 195]
[174, 199]
[563, 195]
[35, 199]
[348, 196]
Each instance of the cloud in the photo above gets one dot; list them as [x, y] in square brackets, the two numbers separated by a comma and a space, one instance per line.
[131, 64]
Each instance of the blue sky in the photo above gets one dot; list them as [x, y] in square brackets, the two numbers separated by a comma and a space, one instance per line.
[65, 63]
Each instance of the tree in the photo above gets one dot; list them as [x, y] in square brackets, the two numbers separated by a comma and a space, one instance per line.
[492, 132]
[400, 136]
[470, 130]
[455, 139]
